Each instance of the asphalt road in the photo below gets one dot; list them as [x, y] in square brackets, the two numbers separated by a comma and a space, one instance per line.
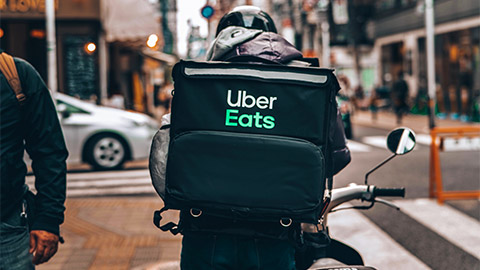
[460, 172]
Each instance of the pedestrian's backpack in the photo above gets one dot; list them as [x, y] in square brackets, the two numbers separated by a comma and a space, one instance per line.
[247, 142]
[9, 70]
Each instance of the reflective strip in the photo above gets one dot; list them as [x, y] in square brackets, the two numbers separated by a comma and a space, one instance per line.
[262, 74]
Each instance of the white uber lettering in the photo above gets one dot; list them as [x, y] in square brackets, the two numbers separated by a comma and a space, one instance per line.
[247, 97]
[262, 102]
[229, 99]
[248, 101]
[272, 99]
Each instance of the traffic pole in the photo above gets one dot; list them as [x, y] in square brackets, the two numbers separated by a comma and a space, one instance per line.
[51, 46]
[325, 44]
[430, 37]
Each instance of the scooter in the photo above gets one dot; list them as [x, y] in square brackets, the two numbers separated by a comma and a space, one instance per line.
[320, 251]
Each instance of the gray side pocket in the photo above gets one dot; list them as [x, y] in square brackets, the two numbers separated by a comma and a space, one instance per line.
[158, 160]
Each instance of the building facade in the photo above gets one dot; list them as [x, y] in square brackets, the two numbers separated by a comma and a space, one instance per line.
[77, 25]
[400, 47]
[101, 47]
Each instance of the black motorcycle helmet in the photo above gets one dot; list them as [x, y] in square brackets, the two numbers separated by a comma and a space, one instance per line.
[249, 17]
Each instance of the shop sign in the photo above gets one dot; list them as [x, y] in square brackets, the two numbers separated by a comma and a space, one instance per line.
[24, 6]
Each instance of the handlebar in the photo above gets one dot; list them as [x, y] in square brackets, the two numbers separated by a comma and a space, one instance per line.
[362, 192]
[389, 192]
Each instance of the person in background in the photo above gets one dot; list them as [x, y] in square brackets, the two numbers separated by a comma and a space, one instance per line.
[29, 232]
[465, 89]
[346, 91]
[399, 97]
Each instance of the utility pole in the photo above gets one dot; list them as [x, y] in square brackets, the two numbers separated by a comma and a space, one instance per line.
[325, 44]
[430, 37]
[102, 65]
[51, 46]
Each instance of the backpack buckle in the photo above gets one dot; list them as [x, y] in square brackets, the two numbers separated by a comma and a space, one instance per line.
[195, 212]
[286, 222]
[21, 97]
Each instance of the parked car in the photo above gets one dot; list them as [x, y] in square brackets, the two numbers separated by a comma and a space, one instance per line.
[101, 136]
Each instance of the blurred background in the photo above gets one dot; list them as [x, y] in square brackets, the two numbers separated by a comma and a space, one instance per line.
[120, 52]
[112, 76]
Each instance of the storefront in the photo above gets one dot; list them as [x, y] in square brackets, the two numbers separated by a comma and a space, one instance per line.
[133, 34]
[400, 47]
[77, 31]
[457, 70]
[99, 46]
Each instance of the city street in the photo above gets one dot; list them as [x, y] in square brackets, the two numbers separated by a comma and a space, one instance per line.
[109, 214]
[250, 85]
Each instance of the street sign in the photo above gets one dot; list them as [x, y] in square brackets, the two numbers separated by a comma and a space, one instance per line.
[207, 12]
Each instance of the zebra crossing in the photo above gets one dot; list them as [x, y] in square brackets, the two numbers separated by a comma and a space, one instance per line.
[458, 228]
[138, 182]
[114, 183]
[379, 249]
[368, 143]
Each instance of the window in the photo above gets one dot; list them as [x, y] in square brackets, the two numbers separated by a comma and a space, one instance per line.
[71, 108]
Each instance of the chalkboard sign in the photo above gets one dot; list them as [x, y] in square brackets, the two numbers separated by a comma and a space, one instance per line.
[80, 68]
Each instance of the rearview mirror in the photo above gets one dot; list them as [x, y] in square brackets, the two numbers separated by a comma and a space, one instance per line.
[401, 141]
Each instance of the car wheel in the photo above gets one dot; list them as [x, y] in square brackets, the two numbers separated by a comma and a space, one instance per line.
[106, 152]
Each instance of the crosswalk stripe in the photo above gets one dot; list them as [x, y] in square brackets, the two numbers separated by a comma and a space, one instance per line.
[377, 141]
[461, 144]
[108, 175]
[377, 248]
[109, 183]
[358, 147]
[381, 141]
[453, 225]
[449, 144]
[94, 176]
[424, 139]
[111, 191]
[105, 183]
[93, 180]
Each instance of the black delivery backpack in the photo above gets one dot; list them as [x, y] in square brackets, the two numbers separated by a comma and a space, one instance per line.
[249, 141]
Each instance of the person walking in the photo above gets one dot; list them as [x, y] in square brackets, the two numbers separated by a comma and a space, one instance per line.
[29, 232]
[248, 34]
[399, 97]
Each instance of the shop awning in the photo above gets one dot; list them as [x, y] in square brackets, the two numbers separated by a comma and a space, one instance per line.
[160, 56]
[129, 20]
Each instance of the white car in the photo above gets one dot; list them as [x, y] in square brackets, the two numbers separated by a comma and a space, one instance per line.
[101, 136]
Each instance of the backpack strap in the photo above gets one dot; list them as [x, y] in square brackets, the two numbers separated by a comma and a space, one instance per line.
[172, 227]
[9, 70]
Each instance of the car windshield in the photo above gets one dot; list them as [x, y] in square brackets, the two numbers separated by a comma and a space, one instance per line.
[71, 108]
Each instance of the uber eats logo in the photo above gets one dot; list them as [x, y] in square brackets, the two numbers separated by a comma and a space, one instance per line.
[234, 117]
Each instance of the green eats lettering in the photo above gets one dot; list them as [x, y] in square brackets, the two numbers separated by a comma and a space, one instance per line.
[234, 118]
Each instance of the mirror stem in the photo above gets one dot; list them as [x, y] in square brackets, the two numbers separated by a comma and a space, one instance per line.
[378, 166]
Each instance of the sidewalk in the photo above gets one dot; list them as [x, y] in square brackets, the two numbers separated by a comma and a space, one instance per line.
[387, 120]
[115, 233]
